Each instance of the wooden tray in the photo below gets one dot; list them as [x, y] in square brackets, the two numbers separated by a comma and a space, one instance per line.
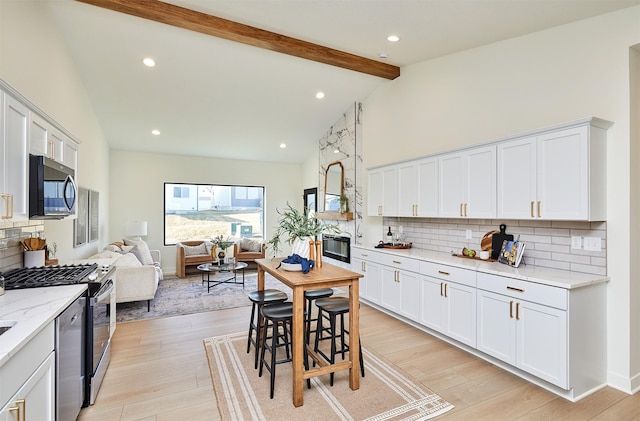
[387, 246]
[474, 258]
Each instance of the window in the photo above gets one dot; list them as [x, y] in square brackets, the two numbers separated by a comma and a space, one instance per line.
[201, 212]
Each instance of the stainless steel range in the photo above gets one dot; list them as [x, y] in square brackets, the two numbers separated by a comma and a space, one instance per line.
[95, 351]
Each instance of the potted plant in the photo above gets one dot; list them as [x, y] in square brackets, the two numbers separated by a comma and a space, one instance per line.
[298, 229]
[222, 244]
[344, 204]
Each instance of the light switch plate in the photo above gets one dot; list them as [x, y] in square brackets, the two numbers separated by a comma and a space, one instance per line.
[468, 234]
[576, 242]
[592, 244]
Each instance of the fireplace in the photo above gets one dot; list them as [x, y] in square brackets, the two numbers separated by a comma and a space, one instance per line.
[336, 247]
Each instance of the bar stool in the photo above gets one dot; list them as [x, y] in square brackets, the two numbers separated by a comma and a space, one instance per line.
[334, 307]
[277, 316]
[259, 300]
[311, 295]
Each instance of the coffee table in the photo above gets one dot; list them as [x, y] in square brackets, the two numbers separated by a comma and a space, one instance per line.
[208, 268]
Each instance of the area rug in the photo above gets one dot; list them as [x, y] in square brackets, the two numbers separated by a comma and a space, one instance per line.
[177, 296]
[386, 392]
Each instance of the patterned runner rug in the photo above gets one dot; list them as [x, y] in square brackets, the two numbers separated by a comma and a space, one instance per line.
[386, 392]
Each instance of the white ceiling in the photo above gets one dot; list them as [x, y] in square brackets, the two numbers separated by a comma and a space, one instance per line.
[212, 97]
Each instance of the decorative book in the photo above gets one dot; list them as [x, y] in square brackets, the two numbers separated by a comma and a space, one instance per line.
[511, 253]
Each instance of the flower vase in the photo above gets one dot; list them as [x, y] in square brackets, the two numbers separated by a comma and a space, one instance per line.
[221, 255]
[214, 255]
[300, 247]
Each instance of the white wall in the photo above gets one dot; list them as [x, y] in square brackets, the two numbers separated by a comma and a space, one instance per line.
[530, 82]
[35, 61]
[137, 189]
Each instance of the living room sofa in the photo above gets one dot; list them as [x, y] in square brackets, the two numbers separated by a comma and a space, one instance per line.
[191, 253]
[135, 281]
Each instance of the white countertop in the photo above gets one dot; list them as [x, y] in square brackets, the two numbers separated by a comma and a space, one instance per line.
[32, 309]
[552, 277]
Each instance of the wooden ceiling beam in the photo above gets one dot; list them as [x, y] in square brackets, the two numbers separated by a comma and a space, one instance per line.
[181, 17]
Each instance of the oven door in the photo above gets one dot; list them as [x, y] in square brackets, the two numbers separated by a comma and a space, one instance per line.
[98, 356]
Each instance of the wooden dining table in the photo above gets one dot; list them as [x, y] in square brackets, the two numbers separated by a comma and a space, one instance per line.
[325, 276]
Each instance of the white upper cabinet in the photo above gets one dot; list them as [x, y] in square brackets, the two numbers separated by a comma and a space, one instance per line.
[383, 191]
[408, 190]
[428, 187]
[46, 140]
[468, 183]
[418, 188]
[13, 159]
[559, 175]
[554, 174]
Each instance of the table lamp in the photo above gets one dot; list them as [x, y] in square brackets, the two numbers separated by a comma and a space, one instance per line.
[135, 230]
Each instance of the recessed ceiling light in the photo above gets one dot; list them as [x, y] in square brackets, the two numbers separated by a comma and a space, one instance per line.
[155, 132]
[320, 95]
[149, 62]
[283, 145]
[393, 38]
[382, 55]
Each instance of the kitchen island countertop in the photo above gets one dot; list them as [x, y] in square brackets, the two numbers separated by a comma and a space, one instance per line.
[552, 277]
[32, 309]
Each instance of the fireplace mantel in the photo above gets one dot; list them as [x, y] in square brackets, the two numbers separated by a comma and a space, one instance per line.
[335, 216]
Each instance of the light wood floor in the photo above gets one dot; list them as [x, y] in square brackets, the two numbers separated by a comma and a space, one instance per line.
[159, 372]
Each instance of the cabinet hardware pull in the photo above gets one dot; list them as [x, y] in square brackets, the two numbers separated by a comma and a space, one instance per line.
[515, 289]
[539, 216]
[441, 291]
[517, 311]
[398, 276]
[364, 266]
[532, 214]
[511, 309]
[8, 204]
[461, 209]
[17, 411]
[23, 411]
[442, 272]
[465, 209]
[397, 262]
[379, 210]
[364, 255]
[445, 291]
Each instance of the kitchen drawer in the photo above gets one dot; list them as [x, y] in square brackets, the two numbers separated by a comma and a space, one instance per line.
[400, 262]
[364, 254]
[523, 290]
[448, 273]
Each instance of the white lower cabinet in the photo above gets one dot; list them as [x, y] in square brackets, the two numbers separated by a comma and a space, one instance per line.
[34, 400]
[552, 336]
[526, 325]
[371, 282]
[28, 381]
[401, 286]
[448, 301]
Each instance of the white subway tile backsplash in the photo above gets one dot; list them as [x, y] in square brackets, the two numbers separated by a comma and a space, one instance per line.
[548, 242]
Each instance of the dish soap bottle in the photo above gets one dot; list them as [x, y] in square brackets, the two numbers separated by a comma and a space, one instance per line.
[389, 236]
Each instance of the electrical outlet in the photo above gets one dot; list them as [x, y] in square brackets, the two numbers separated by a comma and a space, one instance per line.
[468, 234]
[592, 243]
[576, 242]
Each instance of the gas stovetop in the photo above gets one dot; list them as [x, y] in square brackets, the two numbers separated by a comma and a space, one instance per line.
[46, 276]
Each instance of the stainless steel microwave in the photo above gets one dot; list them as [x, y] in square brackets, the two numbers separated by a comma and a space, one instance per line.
[52, 189]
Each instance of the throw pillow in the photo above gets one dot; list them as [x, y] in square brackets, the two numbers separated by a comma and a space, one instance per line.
[127, 260]
[113, 248]
[140, 250]
[195, 250]
[209, 246]
[250, 245]
[125, 249]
